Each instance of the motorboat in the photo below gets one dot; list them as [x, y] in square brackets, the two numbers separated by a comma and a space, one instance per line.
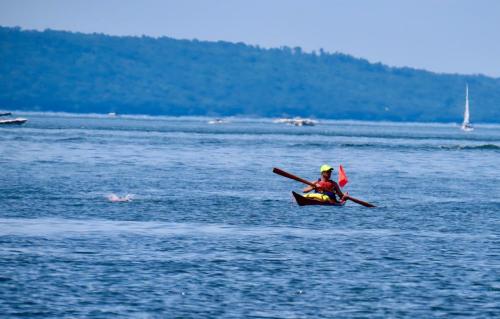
[297, 121]
[217, 121]
[14, 121]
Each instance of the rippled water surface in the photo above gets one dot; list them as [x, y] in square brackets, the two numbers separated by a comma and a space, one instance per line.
[212, 233]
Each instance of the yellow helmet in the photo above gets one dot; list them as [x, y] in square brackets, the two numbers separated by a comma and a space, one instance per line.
[325, 168]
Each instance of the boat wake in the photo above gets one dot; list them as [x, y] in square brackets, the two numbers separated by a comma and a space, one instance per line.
[119, 199]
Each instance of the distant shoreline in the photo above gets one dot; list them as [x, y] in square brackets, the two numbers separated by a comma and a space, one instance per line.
[93, 73]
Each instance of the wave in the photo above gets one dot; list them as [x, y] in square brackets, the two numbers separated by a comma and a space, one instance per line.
[162, 126]
[482, 147]
[71, 139]
[78, 227]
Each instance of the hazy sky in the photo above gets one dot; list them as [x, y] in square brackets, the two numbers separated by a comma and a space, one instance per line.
[456, 36]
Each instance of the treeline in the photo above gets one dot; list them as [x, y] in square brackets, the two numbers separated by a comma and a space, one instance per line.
[74, 72]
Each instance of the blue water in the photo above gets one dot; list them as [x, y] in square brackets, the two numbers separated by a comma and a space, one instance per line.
[212, 233]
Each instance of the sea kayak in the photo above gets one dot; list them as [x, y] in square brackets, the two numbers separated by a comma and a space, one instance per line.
[304, 201]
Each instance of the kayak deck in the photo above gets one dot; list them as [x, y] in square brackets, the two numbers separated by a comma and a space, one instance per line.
[304, 201]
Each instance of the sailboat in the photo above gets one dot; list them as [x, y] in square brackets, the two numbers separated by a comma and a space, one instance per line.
[466, 126]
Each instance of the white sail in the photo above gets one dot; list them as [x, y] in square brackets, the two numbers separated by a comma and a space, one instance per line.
[466, 126]
[466, 113]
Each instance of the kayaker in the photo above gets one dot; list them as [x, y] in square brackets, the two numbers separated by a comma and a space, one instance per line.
[326, 189]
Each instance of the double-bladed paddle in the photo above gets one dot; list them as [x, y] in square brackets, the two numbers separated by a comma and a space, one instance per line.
[298, 179]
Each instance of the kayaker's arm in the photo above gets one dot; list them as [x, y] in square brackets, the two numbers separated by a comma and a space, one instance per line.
[337, 189]
[308, 188]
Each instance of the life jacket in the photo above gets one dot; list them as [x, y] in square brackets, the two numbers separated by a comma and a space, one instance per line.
[326, 185]
[328, 188]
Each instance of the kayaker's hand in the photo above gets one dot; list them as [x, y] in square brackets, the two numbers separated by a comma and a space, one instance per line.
[319, 189]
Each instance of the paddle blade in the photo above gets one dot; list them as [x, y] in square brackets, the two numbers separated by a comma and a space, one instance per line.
[282, 173]
[291, 176]
[358, 201]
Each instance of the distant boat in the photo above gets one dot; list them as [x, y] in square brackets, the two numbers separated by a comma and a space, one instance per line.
[5, 114]
[112, 114]
[304, 122]
[217, 121]
[16, 121]
[296, 121]
[466, 126]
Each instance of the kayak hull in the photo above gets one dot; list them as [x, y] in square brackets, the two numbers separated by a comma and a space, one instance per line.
[304, 201]
[17, 121]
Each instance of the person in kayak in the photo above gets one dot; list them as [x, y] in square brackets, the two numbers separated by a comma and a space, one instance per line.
[326, 189]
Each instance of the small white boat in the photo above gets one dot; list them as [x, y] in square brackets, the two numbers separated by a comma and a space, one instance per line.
[15, 121]
[466, 126]
[112, 114]
[217, 121]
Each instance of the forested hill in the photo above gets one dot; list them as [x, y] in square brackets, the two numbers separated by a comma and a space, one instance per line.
[74, 72]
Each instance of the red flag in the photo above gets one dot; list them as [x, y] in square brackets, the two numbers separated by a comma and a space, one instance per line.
[342, 177]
